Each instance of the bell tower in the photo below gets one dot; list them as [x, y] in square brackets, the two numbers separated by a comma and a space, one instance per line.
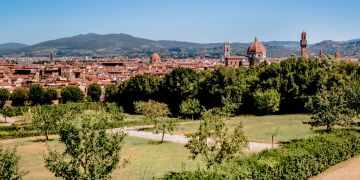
[303, 45]
[321, 53]
[226, 49]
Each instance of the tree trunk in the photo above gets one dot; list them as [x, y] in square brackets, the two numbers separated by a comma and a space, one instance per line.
[162, 137]
[272, 141]
[328, 128]
[46, 135]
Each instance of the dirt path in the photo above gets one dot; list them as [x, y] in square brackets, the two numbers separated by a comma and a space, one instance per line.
[349, 170]
[133, 131]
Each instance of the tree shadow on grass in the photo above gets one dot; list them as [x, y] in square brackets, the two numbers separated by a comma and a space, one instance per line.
[156, 142]
[43, 140]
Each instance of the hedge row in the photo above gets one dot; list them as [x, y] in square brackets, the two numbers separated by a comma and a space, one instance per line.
[27, 127]
[21, 131]
[299, 159]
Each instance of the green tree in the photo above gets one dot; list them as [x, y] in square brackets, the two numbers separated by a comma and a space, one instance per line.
[36, 94]
[8, 112]
[222, 87]
[19, 96]
[90, 151]
[329, 108]
[50, 95]
[9, 164]
[94, 92]
[72, 94]
[353, 96]
[267, 101]
[179, 85]
[156, 113]
[191, 107]
[4, 96]
[47, 118]
[213, 142]
[138, 88]
[111, 92]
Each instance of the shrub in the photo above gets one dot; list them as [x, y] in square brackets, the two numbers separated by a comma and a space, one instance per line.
[9, 164]
[299, 159]
[267, 101]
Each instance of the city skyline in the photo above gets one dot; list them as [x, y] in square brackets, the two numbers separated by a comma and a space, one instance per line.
[31, 22]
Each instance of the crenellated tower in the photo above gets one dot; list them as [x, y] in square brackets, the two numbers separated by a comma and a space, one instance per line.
[303, 45]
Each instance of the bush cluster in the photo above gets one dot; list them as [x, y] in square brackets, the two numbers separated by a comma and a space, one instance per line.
[299, 159]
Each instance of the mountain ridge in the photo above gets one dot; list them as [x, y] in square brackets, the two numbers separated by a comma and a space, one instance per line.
[93, 44]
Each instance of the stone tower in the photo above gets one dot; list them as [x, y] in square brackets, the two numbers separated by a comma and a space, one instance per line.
[303, 45]
[321, 54]
[51, 56]
[337, 55]
[226, 49]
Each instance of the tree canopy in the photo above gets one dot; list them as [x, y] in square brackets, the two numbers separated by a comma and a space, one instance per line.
[72, 94]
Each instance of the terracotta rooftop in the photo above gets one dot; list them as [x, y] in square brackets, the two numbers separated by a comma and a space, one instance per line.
[155, 56]
[256, 47]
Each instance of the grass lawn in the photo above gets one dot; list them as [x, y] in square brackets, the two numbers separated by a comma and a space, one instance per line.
[147, 158]
[260, 128]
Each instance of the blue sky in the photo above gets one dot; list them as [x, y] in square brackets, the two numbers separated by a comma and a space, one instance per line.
[33, 21]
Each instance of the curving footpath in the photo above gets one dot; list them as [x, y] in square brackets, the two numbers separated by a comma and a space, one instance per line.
[134, 131]
[349, 170]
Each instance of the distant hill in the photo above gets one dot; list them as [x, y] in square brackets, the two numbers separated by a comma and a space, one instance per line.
[127, 45]
[12, 46]
[349, 48]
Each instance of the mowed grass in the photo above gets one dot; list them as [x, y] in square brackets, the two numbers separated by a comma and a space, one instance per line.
[147, 158]
[260, 128]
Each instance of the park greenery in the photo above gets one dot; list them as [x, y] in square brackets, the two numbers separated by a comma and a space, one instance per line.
[9, 164]
[299, 159]
[71, 94]
[90, 152]
[4, 96]
[19, 97]
[283, 88]
[157, 114]
[213, 142]
[94, 92]
[326, 89]
[191, 108]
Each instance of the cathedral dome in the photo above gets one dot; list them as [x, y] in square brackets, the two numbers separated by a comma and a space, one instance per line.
[155, 57]
[256, 47]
